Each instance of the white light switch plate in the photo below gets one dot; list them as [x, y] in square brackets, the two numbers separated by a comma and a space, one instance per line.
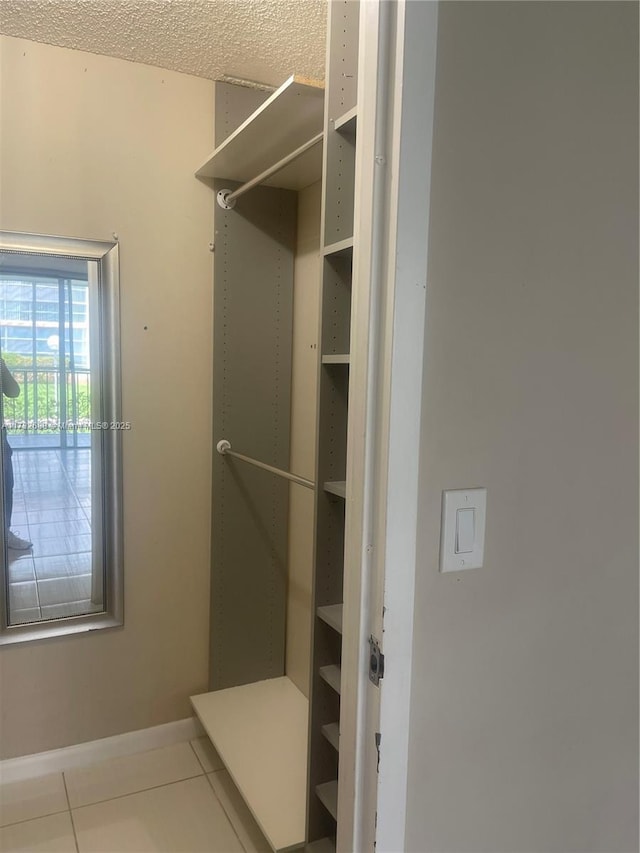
[464, 514]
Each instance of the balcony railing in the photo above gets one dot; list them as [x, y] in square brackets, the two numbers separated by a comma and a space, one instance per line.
[53, 409]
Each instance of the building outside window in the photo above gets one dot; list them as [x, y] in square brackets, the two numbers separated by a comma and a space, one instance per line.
[44, 339]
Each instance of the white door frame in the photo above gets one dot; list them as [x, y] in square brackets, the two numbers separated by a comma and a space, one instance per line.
[396, 89]
[357, 779]
[414, 85]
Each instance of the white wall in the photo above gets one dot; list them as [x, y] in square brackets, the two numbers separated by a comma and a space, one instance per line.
[90, 146]
[524, 726]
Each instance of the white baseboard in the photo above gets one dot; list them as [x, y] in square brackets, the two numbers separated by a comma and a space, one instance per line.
[84, 754]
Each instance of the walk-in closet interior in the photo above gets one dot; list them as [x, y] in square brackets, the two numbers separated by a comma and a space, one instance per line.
[282, 180]
[318, 397]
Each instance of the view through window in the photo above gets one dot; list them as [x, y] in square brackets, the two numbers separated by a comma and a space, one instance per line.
[45, 341]
[61, 542]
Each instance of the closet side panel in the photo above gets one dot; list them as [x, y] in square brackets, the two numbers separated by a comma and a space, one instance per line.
[253, 286]
[304, 385]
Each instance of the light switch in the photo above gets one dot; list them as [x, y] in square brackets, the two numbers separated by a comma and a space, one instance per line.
[465, 530]
[462, 530]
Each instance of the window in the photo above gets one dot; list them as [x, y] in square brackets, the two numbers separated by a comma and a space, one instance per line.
[60, 456]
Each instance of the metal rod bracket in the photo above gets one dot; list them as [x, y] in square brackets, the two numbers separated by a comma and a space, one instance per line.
[223, 202]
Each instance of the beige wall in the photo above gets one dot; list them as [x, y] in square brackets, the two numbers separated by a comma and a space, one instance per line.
[304, 385]
[90, 146]
[524, 726]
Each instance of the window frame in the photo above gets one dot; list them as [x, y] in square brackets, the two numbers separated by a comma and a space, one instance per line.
[106, 254]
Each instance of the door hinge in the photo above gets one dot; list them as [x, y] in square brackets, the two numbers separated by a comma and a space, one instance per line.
[378, 742]
[376, 661]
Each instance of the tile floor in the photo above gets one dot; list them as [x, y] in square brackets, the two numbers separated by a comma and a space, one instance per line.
[177, 799]
[52, 508]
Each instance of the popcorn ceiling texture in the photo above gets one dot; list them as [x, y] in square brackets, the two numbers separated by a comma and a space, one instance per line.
[262, 40]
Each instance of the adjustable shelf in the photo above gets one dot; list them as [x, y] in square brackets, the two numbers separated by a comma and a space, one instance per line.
[332, 615]
[346, 123]
[324, 845]
[260, 732]
[342, 248]
[331, 674]
[286, 121]
[332, 733]
[331, 573]
[336, 487]
[328, 796]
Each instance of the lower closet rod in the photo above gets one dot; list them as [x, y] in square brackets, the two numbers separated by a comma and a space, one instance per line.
[224, 449]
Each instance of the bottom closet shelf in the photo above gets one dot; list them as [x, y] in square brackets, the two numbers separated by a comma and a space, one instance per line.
[324, 845]
[260, 732]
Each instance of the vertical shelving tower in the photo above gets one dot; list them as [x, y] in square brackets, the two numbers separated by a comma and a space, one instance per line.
[335, 317]
[256, 715]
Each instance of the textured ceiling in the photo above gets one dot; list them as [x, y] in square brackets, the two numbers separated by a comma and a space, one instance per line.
[261, 40]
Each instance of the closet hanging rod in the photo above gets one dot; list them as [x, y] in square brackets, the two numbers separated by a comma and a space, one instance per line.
[224, 449]
[227, 198]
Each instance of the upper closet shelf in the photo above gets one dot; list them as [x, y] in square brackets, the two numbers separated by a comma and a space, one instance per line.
[285, 122]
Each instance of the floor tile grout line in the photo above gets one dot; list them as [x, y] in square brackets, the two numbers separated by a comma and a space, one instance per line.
[44, 580]
[66, 577]
[226, 813]
[67, 601]
[70, 809]
[34, 488]
[36, 606]
[17, 475]
[75, 494]
[37, 588]
[60, 473]
[66, 478]
[26, 509]
[64, 466]
[38, 581]
[60, 578]
[139, 791]
[57, 520]
[54, 538]
[73, 825]
[193, 749]
[66, 553]
[29, 819]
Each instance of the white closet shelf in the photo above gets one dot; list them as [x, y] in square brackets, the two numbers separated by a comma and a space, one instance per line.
[346, 123]
[336, 487]
[283, 123]
[332, 615]
[260, 732]
[332, 734]
[336, 358]
[328, 796]
[342, 247]
[331, 674]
